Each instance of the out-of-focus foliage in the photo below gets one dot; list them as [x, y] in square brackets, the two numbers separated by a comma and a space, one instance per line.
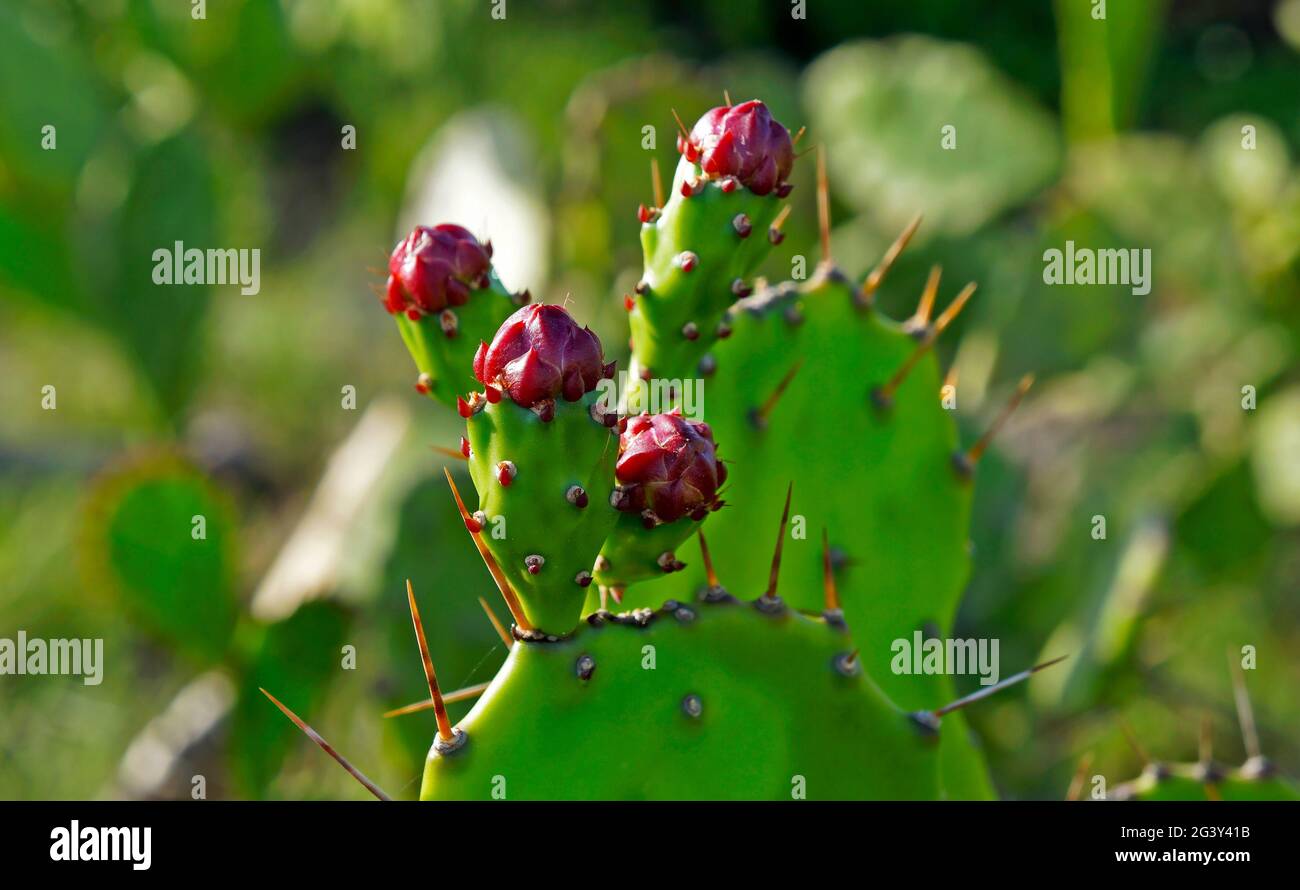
[1173, 127]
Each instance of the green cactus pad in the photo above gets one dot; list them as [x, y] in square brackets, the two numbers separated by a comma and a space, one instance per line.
[448, 360]
[714, 700]
[880, 482]
[531, 516]
[703, 225]
[633, 553]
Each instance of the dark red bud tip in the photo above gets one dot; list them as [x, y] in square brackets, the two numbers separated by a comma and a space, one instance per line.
[534, 563]
[642, 287]
[463, 408]
[435, 268]
[492, 393]
[464, 447]
[628, 303]
[775, 235]
[690, 331]
[741, 141]
[643, 213]
[667, 467]
[724, 330]
[740, 289]
[449, 323]
[728, 185]
[506, 472]
[687, 260]
[742, 225]
[576, 495]
[541, 353]
[473, 525]
[423, 384]
[582, 579]
[784, 189]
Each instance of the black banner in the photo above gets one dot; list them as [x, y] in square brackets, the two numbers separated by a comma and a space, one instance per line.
[330, 840]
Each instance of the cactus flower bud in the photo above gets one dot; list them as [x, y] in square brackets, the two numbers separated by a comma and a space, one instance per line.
[668, 465]
[743, 141]
[540, 353]
[434, 268]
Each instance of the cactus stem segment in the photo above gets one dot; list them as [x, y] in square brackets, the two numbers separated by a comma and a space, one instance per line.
[760, 415]
[883, 396]
[439, 707]
[512, 601]
[328, 748]
[986, 691]
[823, 205]
[828, 576]
[965, 461]
[496, 623]
[769, 596]
[450, 698]
[878, 274]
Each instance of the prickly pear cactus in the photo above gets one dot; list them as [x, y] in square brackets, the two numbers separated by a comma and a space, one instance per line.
[774, 685]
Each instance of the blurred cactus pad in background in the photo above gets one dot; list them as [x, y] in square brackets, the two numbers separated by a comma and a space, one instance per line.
[228, 474]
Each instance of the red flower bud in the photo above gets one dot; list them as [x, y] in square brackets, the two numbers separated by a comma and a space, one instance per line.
[540, 353]
[434, 268]
[742, 141]
[667, 465]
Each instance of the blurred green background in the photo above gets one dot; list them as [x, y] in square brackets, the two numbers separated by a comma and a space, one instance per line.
[287, 418]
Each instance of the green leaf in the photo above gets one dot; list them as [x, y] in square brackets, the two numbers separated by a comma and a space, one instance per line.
[160, 538]
[881, 108]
